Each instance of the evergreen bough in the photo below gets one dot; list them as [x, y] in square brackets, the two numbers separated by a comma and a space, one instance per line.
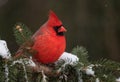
[105, 70]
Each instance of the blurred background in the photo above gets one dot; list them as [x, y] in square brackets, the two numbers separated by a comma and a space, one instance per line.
[94, 24]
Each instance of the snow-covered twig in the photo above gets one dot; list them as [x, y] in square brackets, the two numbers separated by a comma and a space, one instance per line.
[97, 80]
[21, 61]
[24, 68]
[6, 72]
[27, 62]
[89, 70]
[68, 58]
[44, 77]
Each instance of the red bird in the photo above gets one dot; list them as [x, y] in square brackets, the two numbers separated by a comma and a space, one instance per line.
[49, 40]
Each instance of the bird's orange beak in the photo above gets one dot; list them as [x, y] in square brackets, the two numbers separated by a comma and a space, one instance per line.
[62, 29]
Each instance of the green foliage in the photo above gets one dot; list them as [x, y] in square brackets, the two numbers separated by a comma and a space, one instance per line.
[17, 74]
[82, 54]
[22, 36]
[2, 77]
[107, 70]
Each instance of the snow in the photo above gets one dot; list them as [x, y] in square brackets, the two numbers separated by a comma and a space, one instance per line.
[105, 76]
[97, 80]
[24, 68]
[44, 77]
[29, 62]
[118, 79]
[21, 61]
[68, 58]
[4, 51]
[26, 61]
[6, 72]
[89, 70]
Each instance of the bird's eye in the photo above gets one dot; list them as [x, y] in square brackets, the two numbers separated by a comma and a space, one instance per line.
[56, 28]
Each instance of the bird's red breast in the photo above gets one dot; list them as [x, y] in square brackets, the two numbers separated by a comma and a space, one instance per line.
[49, 40]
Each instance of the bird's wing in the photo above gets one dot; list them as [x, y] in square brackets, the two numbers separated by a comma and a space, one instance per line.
[24, 47]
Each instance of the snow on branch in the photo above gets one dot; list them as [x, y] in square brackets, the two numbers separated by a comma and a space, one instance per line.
[68, 58]
[4, 51]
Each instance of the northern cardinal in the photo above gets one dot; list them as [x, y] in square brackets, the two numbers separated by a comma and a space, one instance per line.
[49, 41]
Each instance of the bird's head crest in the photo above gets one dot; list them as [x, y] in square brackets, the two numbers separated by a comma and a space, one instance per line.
[53, 19]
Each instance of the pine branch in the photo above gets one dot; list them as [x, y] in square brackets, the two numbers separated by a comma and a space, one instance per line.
[107, 70]
[23, 38]
[103, 70]
[21, 33]
[82, 53]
